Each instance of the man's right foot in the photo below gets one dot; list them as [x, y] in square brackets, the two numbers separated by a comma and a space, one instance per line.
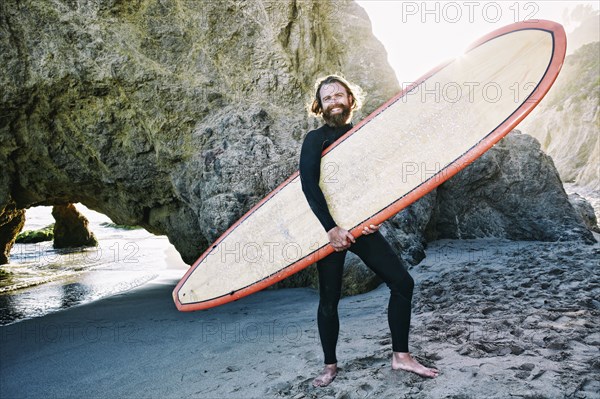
[404, 361]
[327, 376]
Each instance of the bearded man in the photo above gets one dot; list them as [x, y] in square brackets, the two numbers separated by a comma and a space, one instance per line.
[335, 100]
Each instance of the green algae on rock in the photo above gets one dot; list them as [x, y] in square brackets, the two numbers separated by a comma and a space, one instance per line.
[35, 236]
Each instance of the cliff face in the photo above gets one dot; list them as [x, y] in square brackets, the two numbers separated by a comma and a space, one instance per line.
[177, 116]
[567, 121]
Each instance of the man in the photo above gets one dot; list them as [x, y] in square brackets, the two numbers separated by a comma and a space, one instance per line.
[335, 100]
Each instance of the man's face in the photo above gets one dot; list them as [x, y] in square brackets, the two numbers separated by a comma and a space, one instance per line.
[336, 104]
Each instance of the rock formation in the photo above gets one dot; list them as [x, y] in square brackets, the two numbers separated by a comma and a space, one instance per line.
[513, 191]
[585, 211]
[11, 223]
[71, 228]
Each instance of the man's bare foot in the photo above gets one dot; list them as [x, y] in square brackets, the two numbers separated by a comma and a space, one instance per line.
[327, 375]
[404, 361]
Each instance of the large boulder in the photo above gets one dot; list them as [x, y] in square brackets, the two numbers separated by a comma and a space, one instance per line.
[513, 191]
[71, 228]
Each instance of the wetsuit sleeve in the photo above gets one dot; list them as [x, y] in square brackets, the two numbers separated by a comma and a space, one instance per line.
[310, 171]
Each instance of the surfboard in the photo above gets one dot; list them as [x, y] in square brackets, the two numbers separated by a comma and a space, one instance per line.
[420, 138]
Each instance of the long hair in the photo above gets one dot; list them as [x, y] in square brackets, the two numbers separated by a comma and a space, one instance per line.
[355, 91]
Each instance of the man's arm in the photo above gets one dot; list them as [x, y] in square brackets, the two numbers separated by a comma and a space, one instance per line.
[310, 172]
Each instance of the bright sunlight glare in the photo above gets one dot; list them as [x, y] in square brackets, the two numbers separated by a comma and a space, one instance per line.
[419, 35]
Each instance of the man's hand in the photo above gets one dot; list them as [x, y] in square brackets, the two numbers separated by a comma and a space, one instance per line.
[372, 228]
[340, 239]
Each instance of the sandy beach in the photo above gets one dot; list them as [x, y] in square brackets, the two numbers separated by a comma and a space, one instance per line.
[499, 319]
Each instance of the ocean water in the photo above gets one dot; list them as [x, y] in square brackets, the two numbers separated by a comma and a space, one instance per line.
[45, 280]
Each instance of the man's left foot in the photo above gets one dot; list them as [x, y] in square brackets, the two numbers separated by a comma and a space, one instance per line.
[327, 376]
[404, 361]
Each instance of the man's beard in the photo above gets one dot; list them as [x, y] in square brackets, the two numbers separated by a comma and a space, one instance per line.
[337, 120]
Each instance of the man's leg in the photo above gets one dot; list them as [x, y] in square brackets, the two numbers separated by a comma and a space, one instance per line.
[379, 256]
[331, 269]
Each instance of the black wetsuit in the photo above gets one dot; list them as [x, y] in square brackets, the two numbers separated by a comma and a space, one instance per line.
[373, 249]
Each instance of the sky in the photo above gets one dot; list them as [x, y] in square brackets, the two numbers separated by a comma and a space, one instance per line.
[419, 35]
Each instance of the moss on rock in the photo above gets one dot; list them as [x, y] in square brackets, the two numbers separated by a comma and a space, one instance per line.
[120, 226]
[4, 275]
[33, 236]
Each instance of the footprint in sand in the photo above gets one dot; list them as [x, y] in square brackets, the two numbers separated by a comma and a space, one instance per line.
[538, 375]
[524, 370]
[364, 389]
[281, 388]
[590, 386]
[556, 343]
[523, 375]
[273, 374]
[309, 356]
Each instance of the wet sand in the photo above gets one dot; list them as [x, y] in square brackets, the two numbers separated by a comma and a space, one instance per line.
[498, 318]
